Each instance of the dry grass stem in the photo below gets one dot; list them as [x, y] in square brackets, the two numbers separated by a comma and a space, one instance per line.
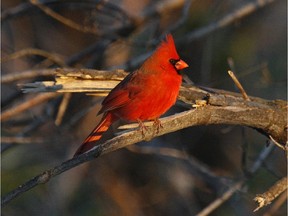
[62, 108]
[239, 86]
[16, 110]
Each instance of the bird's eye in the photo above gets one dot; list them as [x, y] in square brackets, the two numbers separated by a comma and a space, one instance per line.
[173, 61]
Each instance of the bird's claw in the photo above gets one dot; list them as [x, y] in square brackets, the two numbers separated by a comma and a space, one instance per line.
[142, 128]
[157, 124]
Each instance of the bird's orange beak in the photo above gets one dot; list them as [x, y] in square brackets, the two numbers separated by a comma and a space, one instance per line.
[181, 65]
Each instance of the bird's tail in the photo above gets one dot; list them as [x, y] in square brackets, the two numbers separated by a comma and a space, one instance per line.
[96, 134]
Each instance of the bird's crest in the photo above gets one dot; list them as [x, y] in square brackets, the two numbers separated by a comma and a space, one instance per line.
[167, 48]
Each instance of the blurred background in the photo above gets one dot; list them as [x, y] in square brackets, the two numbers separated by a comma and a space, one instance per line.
[177, 174]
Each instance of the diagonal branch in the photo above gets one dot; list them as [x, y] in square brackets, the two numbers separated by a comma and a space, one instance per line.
[228, 19]
[253, 117]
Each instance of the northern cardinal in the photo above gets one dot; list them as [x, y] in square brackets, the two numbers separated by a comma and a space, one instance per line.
[144, 94]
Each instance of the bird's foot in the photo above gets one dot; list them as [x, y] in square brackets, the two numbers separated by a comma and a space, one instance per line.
[157, 124]
[142, 128]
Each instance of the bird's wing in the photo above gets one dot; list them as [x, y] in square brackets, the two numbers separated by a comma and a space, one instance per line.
[123, 93]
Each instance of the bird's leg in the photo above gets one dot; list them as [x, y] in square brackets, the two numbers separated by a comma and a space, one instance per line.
[157, 124]
[142, 127]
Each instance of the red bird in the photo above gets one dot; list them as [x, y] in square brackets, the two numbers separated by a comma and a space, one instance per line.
[144, 94]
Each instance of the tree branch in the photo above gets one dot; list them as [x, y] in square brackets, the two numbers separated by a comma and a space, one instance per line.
[248, 116]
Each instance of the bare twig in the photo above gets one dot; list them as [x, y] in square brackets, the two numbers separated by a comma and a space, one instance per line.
[216, 203]
[26, 105]
[21, 140]
[62, 108]
[7, 78]
[228, 19]
[278, 144]
[239, 86]
[64, 20]
[31, 51]
[273, 192]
